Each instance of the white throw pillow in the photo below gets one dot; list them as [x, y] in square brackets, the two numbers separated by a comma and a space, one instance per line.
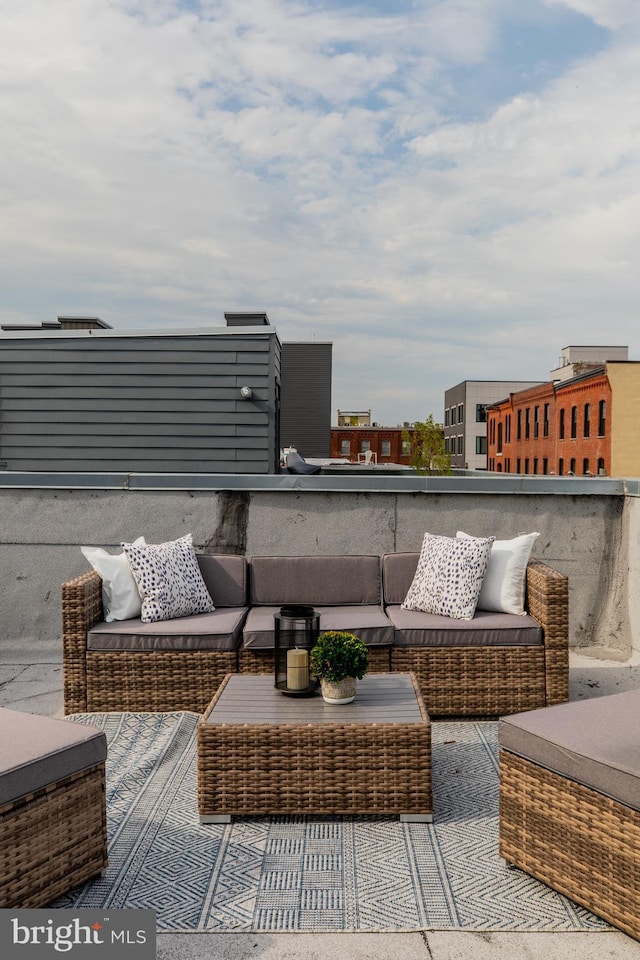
[169, 579]
[120, 597]
[449, 576]
[503, 588]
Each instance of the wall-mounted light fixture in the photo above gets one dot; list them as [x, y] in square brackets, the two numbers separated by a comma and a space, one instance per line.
[246, 393]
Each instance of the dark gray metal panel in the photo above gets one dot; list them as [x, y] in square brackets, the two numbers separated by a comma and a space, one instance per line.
[305, 418]
[138, 403]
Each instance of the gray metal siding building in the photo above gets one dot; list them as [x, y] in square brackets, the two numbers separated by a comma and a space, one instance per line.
[105, 400]
[305, 420]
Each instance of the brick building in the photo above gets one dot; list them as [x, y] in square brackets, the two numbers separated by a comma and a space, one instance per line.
[385, 442]
[584, 426]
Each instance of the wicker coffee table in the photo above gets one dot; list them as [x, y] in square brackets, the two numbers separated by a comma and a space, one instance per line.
[261, 753]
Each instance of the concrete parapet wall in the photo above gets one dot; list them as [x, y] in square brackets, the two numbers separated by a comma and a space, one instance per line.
[594, 539]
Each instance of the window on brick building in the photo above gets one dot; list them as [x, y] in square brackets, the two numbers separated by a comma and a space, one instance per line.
[481, 445]
[561, 467]
[385, 448]
[345, 448]
[535, 464]
[545, 465]
[572, 466]
[585, 466]
[507, 465]
[517, 464]
[527, 428]
[499, 444]
[365, 445]
[561, 425]
[536, 421]
[602, 414]
[526, 464]
[545, 421]
[587, 420]
[601, 470]
[519, 427]
[507, 428]
[406, 448]
[574, 422]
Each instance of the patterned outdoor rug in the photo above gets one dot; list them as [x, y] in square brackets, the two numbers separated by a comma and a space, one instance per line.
[305, 873]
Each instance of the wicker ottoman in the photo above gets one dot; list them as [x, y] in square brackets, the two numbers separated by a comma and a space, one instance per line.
[52, 807]
[570, 802]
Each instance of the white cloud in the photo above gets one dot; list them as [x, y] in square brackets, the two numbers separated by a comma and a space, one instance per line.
[612, 14]
[165, 162]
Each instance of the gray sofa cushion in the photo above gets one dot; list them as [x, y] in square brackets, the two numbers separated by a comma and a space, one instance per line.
[317, 581]
[398, 570]
[219, 630]
[367, 621]
[593, 742]
[416, 629]
[37, 751]
[226, 577]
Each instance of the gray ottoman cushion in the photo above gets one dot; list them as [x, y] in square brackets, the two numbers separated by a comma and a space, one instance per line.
[594, 742]
[37, 751]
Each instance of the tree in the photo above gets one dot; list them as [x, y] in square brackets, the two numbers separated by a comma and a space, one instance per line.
[427, 454]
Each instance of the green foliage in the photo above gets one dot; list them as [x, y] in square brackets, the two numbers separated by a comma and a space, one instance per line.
[427, 454]
[337, 655]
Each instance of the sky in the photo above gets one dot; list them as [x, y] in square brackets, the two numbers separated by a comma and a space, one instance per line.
[446, 190]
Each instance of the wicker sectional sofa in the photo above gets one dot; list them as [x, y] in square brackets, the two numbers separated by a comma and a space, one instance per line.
[494, 664]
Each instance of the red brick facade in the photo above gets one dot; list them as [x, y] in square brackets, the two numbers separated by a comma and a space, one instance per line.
[555, 428]
[385, 442]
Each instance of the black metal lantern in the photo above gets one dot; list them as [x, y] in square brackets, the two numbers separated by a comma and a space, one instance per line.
[296, 629]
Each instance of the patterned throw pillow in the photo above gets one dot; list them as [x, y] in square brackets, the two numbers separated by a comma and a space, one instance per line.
[169, 579]
[449, 576]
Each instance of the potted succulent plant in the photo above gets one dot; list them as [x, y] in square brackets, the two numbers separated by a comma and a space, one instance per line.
[338, 659]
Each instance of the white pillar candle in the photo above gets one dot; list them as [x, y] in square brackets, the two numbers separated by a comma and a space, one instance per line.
[297, 669]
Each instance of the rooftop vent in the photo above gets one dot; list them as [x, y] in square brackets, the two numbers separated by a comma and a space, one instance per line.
[247, 320]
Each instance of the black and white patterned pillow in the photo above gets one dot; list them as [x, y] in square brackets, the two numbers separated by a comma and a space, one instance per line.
[449, 576]
[168, 579]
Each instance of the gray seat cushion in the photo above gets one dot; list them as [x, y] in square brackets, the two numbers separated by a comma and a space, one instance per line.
[219, 630]
[367, 621]
[37, 751]
[593, 742]
[416, 629]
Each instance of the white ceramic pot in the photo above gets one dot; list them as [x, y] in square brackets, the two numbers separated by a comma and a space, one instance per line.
[342, 691]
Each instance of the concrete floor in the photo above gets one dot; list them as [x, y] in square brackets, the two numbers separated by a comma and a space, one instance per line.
[36, 687]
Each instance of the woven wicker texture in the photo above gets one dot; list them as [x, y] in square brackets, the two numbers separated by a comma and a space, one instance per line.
[261, 661]
[81, 610]
[157, 682]
[321, 768]
[53, 839]
[581, 843]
